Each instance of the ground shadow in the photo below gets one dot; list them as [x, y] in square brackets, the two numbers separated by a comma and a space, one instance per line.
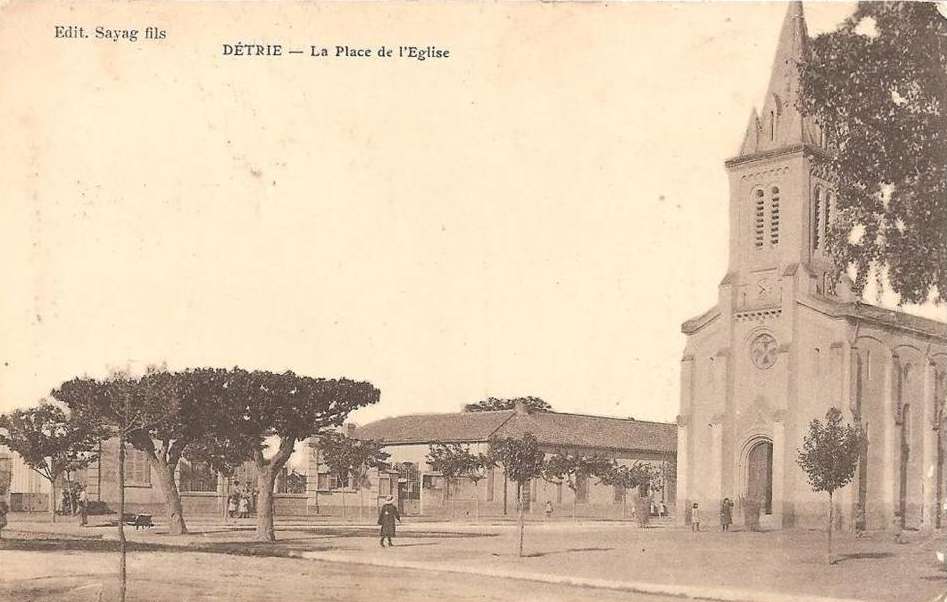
[277, 549]
[553, 552]
[863, 556]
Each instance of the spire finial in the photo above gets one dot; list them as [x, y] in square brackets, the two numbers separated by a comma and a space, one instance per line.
[780, 122]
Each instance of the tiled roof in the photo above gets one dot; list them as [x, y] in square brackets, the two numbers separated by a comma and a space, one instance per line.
[550, 428]
[425, 428]
[579, 430]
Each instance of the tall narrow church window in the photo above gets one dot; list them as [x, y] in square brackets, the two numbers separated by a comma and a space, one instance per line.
[817, 219]
[774, 217]
[772, 125]
[758, 219]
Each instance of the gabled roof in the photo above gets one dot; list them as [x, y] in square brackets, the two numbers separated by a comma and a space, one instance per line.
[550, 428]
[425, 428]
[579, 430]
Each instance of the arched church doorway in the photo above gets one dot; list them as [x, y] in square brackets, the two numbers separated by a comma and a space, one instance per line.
[759, 476]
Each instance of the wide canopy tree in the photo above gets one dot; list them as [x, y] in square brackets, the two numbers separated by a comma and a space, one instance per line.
[282, 409]
[50, 441]
[492, 404]
[162, 413]
[878, 88]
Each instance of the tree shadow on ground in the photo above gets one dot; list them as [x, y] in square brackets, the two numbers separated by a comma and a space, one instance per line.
[372, 531]
[566, 551]
[863, 556]
[244, 548]
[412, 545]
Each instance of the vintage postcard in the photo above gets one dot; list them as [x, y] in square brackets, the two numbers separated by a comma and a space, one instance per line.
[505, 301]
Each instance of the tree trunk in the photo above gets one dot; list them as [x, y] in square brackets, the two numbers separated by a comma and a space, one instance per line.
[522, 517]
[225, 491]
[266, 479]
[477, 502]
[52, 500]
[506, 487]
[165, 474]
[122, 544]
[831, 520]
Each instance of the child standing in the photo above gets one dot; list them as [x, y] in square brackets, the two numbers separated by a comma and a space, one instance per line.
[695, 517]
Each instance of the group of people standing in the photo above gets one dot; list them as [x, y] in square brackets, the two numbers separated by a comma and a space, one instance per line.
[726, 515]
[240, 503]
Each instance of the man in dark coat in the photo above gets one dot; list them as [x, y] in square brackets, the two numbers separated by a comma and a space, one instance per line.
[387, 516]
[726, 514]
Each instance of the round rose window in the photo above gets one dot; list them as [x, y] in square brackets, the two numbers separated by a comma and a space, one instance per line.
[763, 351]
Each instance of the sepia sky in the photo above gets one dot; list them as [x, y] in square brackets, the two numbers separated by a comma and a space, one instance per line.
[534, 215]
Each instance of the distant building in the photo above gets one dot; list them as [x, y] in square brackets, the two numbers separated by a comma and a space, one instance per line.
[21, 487]
[786, 341]
[423, 491]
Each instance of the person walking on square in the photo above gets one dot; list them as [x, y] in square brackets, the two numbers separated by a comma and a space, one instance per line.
[232, 505]
[387, 516]
[726, 514]
[548, 509]
[695, 518]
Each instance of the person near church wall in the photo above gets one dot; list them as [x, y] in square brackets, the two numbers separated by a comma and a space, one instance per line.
[695, 517]
[726, 514]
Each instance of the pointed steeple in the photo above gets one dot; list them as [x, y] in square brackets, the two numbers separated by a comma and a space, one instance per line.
[781, 123]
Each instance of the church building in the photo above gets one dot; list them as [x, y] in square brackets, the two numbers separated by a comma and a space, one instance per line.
[786, 341]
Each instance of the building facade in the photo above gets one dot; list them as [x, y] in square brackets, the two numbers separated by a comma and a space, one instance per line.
[786, 341]
[423, 491]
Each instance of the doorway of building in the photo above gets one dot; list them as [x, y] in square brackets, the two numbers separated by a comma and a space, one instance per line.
[759, 477]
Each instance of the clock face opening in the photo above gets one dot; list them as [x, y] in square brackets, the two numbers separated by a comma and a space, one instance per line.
[763, 351]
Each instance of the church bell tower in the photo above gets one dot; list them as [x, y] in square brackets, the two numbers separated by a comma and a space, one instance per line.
[781, 198]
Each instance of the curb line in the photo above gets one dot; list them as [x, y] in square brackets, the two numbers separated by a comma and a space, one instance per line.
[679, 591]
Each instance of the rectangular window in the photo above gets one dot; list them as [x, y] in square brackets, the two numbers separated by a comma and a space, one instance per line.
[137, 469]
[533, 490]
[197, 476]
[559, 492]
[490, 485]
[290, 481]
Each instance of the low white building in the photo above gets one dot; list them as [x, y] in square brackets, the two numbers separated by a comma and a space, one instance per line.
[21, 487]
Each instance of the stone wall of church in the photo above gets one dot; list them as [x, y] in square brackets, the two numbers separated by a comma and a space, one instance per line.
[820, 352]
[896, 384]
[888, 381]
